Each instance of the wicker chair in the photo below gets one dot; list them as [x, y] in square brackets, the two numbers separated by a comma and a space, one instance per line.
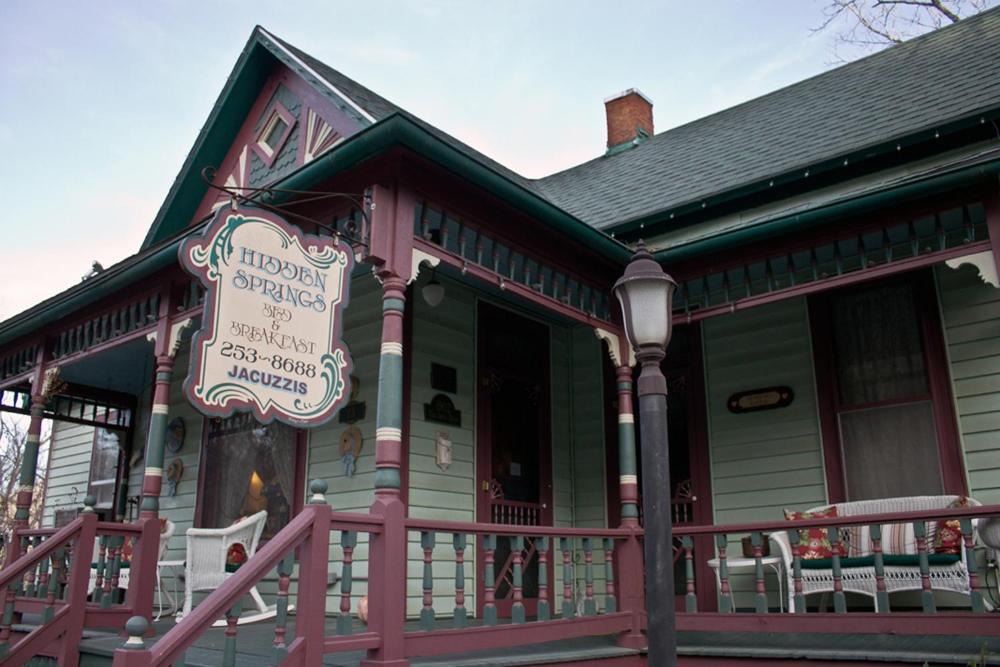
[952, 577]
[205, 565]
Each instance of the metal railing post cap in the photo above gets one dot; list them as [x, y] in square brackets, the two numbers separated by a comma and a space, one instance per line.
[135, 628]
[88, 504]
[318, 488]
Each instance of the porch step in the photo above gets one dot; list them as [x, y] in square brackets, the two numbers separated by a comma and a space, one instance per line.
[895, 649]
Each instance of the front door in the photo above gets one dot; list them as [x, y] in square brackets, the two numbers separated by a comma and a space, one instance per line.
[513, 445]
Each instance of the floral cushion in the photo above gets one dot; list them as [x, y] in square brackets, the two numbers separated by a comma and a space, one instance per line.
[948, 532]
[814, 543]
[235, 556]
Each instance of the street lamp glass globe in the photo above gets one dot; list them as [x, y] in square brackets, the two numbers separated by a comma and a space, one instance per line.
[646, 295]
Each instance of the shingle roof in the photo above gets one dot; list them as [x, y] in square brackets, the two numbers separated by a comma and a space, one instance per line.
[945, 75]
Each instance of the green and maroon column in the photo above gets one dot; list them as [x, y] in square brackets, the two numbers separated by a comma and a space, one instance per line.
[166, 343]
[628, 480]
[29, 462]
[389, 414]
[152, 480]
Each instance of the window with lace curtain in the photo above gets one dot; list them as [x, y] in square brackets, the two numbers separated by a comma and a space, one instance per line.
[882, 397]
[248, 467]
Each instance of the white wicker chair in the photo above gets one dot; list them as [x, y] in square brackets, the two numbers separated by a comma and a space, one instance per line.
[953, 577]
[205, 565]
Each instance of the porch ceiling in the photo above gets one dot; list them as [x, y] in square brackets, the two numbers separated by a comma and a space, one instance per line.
[126, 368]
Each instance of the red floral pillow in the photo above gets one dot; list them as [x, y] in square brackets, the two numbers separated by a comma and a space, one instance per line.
[948, 532]
[236, 556]
[814, 543]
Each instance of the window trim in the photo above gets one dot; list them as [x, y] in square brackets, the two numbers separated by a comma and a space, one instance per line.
[953, 479]
[299, 482]
[275, 112]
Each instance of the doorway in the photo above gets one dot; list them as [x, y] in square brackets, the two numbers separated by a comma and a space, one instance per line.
[513, 442]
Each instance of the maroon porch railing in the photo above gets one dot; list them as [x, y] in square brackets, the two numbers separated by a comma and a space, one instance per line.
[876, 573]
[52, 577]
[614, 605]
[308, 536]
[563, 548]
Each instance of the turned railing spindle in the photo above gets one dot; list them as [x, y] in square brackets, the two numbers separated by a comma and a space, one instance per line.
[568, 609]
[690, 598]
[102, 552]
[517, 554]
[229, 643]
[30, 576]
[281, 607]
[760, 598]
[53, 588]
[43, 579]
[926, 594]
[589, 603]
[543, 613]
[427, 611]
[975, 592]
[489, 580]
[8, 620]
[610, 602]
[881, 592]
[800, 599]
[839, 599]
[461, 616]
[725, 593]
[348, 541]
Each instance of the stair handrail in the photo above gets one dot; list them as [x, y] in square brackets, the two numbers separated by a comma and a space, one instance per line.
[68, 620]
[63, 535]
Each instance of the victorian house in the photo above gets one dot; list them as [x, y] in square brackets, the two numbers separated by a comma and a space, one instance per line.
[835, 361]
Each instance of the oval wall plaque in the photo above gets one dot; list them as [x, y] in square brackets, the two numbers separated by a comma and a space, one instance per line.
[753, 400]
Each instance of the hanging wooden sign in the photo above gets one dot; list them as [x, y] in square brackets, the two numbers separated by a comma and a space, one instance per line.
[760, 399]
[270, 339]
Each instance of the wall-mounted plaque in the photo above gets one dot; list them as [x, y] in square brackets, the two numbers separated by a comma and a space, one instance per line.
[270, 341]
[443, 449]
[442, 411]
[355, 410]
[753, 400]
[444, 378]
[175, 435]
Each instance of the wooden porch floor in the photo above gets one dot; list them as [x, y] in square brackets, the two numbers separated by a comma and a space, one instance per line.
[695, 647]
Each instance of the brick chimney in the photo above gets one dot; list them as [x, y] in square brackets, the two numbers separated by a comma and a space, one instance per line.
[630, 117]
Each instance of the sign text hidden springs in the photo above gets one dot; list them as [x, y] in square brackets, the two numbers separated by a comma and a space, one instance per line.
[270, 340]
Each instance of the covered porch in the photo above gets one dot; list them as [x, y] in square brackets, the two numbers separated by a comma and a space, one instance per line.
[481, 488]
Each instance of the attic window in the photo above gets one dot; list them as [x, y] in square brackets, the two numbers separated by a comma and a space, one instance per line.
[274, 133]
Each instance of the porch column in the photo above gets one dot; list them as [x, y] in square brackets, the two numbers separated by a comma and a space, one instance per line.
[166, 344]
[628, 481]
[41, 385]
[389, 412]
[387, 555]
[29, 463]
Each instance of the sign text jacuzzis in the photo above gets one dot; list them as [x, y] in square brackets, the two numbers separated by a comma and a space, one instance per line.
[270, 337]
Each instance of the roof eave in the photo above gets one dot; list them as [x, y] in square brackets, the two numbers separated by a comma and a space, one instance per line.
[852, 160]
[984, 172]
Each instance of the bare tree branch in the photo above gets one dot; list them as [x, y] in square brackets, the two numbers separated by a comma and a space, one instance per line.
[869, 25]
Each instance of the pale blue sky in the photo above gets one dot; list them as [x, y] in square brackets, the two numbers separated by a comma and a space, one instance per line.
[100, 101]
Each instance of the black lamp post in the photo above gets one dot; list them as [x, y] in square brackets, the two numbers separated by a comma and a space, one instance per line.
[646, 293]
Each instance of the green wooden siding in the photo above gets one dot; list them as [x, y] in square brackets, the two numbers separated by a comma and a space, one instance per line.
[444, 335]
[971, 317]
[69, 468]
[762, 462]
